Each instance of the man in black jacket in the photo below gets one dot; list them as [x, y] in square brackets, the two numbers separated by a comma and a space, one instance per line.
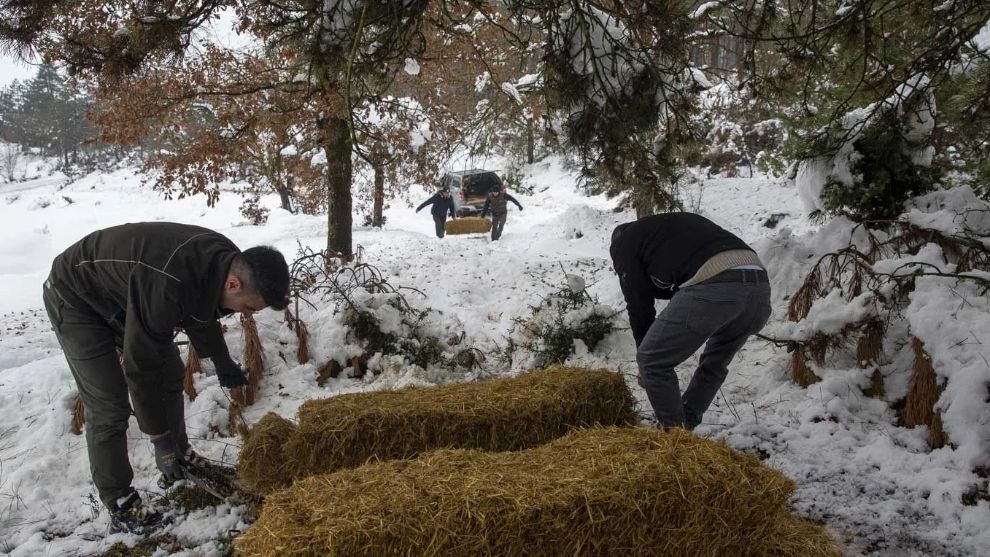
[719, 296]
[127, 289]
[498, 201]
[442, 205]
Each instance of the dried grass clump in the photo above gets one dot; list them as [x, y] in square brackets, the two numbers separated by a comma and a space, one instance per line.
[302, 335]
[800, 371]
[78, 416]
[919, 404]
[263, 461]
[468, 225]
[496, 415]
[254, 363]
[869, 346]
[600, 491]
[194, 365]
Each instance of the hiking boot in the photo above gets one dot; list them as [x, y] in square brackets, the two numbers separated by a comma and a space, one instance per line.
[129, 515]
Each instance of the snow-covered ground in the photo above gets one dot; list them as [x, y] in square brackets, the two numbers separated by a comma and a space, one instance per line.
[876, 486]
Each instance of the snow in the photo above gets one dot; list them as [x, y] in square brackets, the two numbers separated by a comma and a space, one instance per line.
[411, 67]
[511, 90]
[876, 485]
[703, 9]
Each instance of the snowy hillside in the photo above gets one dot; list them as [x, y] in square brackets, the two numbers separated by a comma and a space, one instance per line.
[875, 485]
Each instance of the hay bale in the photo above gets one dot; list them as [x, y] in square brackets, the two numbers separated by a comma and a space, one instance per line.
[262, 461]
[600, 491]
[468, 225]
[496, 415]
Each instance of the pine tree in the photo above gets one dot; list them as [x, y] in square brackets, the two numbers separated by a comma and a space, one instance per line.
[865, 88]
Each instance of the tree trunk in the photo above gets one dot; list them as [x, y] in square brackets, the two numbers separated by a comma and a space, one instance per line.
[283, 195]
[378, 195]
[530, 141]
[335, 139]
[644, 208]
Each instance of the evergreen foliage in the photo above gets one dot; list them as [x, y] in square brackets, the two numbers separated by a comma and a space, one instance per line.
[48, 114]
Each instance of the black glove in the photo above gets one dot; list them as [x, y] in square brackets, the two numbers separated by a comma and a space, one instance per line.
[229, 373]
[167, 456]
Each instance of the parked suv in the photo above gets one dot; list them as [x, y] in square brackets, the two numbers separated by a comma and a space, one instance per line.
[468, 189]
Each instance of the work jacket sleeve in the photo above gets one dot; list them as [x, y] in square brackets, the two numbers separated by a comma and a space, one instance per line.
[488, 204]
[638, 293]
[513, 199]
[152, 313]
[427, 202]
[208, 341]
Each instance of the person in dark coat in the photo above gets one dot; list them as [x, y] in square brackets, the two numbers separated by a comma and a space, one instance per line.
[128, 288]
[719, 296]
[443, 205]
[498, 201]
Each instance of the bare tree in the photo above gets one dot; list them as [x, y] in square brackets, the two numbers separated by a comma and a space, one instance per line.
[10, 160]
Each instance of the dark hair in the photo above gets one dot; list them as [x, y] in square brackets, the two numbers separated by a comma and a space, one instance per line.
[445, 189]
[268, 274]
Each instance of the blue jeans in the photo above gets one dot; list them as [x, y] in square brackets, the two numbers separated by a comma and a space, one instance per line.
[720, 315]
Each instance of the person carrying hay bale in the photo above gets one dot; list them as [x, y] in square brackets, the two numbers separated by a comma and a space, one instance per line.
[498, 201]
[719, 295]
[442, 206]
[129, 287]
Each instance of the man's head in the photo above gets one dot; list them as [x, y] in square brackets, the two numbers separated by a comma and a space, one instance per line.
[258, 278]
[445, 192]
[497, 190]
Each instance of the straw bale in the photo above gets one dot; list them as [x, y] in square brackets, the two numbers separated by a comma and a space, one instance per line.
[263, 461]
[497, 415]
[598, 491]
[468, 225]
[923, 394]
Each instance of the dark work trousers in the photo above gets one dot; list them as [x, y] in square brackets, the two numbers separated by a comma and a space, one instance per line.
[440, 222]
[720, 315]
[498, 223]
[90, 345]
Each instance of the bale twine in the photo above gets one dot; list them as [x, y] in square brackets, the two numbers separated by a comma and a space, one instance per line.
[468, 225]
[599, 491]
[496, 415]
[263, 462]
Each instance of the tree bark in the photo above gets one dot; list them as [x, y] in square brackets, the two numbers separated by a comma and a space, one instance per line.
[377, 217]
[530, 142]
[335, 139]
[283, 195]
